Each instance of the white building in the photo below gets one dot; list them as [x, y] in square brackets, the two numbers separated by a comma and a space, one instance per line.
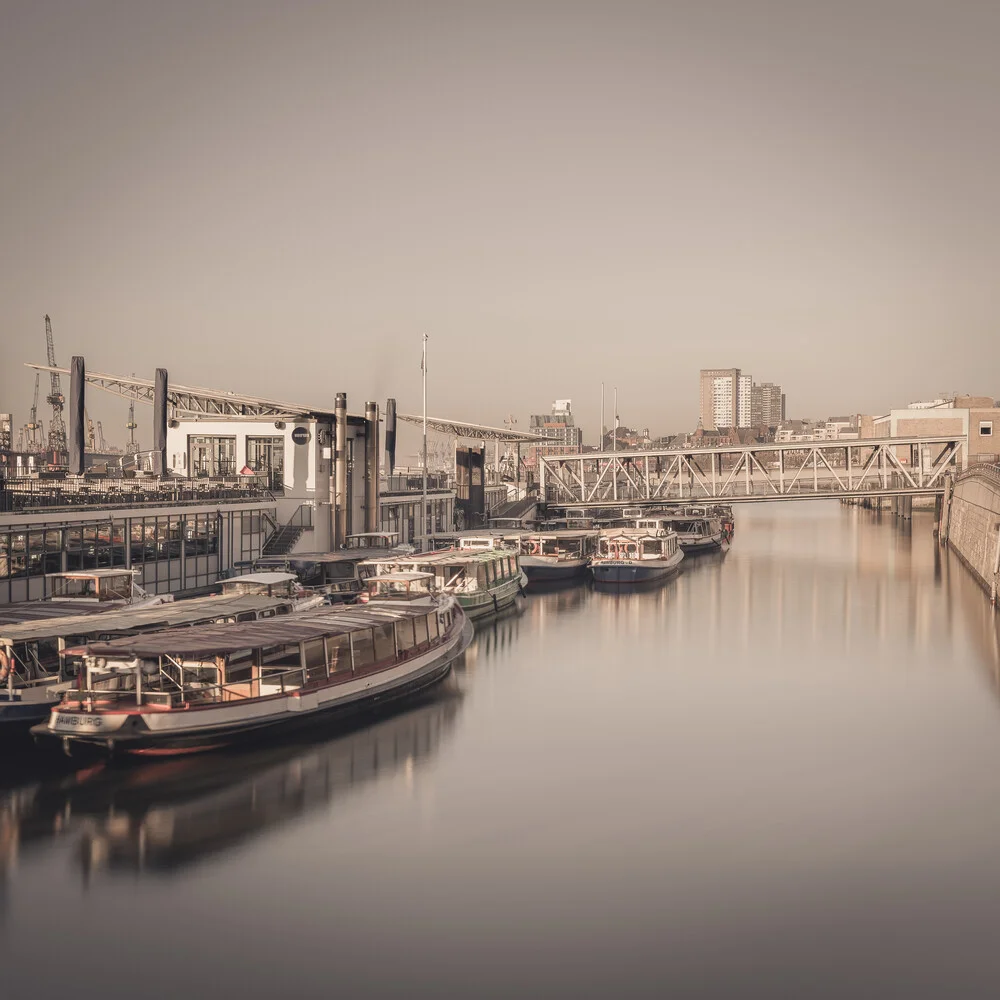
[744, 397]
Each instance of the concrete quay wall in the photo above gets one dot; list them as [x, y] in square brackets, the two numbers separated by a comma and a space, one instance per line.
[971, 524]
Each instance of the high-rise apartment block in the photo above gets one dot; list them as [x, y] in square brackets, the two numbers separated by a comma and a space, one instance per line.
[728, 398]
[719, 398]
[767, 405]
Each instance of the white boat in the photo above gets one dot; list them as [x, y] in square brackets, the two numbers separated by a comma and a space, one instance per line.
[197, 688]
[636, 555]
[340, 575]
[273, 584]
[697, 530]
[553, 556]
[484, 575]
[83, 592]
[40, 658]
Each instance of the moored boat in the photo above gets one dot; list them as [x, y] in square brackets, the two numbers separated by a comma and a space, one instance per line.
[636, 555]
[697, 530]
[273, 584]
[553, 556]
[40, 659]
[83, 592]
[339, 575]
[198, 688]
[484, 575]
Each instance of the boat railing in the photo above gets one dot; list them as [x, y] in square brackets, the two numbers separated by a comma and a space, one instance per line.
[269, 680]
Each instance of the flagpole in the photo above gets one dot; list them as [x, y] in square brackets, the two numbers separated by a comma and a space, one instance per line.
[423, 501]
[600, 445]
[614, 443]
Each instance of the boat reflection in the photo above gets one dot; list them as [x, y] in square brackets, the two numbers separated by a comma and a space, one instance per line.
[169, 814]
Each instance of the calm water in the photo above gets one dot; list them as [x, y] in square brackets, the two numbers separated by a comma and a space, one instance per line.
[778, 775]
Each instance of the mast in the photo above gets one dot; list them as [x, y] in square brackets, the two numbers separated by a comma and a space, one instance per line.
[423, 496]
[614, 440]
[600, 446]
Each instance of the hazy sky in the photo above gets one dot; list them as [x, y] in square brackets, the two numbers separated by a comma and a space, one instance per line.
[282, 197]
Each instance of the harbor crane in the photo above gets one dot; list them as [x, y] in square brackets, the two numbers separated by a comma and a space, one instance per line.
[91, 437]
[132, 448]
[35, 434]
[55, 398]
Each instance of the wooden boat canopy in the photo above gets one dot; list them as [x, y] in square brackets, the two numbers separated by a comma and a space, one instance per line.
[31, 611]
[202, 641]
[164, 616]
[96, 584]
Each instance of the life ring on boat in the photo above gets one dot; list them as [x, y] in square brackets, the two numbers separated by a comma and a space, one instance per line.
[4, 666]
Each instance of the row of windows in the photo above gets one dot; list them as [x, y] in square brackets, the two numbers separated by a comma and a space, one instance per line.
[171, 552]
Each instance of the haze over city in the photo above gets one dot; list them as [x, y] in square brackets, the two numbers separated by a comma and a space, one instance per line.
[282, 200]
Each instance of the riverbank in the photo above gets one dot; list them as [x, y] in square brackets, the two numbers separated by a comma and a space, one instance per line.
[970, 524]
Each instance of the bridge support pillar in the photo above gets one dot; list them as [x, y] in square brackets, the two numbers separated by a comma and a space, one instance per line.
[945, 522]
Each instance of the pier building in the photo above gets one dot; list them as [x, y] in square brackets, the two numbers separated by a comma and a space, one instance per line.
[234, 477]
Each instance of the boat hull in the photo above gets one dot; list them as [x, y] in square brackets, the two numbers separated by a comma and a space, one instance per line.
[701, 543]
[540, 569]
[624, 572]
[27, 708]
[481, 605]
[145, 733]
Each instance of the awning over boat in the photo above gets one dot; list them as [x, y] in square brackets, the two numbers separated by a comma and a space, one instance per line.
[205, 641]
[120, 618]
[14, 614]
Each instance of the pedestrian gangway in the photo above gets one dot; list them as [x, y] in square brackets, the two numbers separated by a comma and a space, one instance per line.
[794, 470]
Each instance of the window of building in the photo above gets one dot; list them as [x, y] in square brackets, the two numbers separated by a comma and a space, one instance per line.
[985, 428]
[211, 456]
[267, 455]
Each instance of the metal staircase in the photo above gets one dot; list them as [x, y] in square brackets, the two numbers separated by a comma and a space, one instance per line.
[282, 540]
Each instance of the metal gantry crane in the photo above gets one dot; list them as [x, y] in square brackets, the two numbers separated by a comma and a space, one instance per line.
[55, 398]
[35, 437]
[132, 448]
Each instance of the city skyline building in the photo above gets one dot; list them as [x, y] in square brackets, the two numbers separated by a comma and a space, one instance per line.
[767, 405]
[560, 426]
[724, 398]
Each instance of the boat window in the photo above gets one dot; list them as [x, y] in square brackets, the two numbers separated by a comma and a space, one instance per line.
[315, 657]
[385, 643]
[650, 546]
[339, 650]
[246, 616]
[481, 577]
[404, 634]
[63, 586]
[116, 588]
[285, 657]
[341, 570]
[432, 625]
[364, 649]
[420, 626]
[239, 665]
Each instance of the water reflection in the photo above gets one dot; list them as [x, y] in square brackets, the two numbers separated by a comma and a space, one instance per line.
[772, 758]
[166, 815]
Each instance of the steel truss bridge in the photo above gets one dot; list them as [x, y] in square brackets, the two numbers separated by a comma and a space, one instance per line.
[796, 470]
